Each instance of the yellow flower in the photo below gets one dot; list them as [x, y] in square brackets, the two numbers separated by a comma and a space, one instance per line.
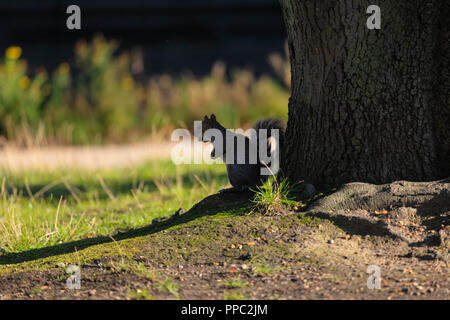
[64, 68]
[13, 53]
[128, 83]
[24, 82]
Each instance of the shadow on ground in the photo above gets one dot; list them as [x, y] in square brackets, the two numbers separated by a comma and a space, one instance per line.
[60, 188]
[351, 208]
[211, 205]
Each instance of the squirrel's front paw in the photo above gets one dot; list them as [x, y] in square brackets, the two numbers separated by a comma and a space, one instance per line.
[234, 189]
[227, 190]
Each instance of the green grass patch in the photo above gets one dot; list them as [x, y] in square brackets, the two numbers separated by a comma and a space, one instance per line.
[273, 194]
[235, 296]
[40, 209]
[236, 282]
[167, 285]
[141, 294]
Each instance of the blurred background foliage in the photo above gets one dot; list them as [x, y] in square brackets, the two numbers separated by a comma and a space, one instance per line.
[104, 97]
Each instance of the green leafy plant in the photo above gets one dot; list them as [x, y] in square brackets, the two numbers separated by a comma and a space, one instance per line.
[102, 97]
[20, 95]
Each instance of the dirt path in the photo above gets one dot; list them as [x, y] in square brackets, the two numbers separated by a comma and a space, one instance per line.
[86, 158]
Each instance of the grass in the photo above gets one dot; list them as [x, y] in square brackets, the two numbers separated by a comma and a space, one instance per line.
[167, 285]
[42, 208]
[235, 296]
[263, 269]
[141, 294]
[271, 195]
[154, 253]
[236, 282]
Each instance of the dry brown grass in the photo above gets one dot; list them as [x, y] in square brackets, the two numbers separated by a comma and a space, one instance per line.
[92, 157]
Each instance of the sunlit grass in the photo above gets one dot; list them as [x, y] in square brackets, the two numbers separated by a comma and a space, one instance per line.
[272, 194]
[236, 282]
[43, 208]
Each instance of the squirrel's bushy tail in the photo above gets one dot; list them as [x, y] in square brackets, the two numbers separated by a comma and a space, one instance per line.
[269, 124]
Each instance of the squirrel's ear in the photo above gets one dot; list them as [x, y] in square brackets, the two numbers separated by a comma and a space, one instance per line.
[213, 117]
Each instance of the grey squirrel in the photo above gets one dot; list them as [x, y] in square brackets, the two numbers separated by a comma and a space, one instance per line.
[244, 170]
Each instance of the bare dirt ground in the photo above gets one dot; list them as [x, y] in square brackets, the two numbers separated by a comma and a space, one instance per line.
[219, 250]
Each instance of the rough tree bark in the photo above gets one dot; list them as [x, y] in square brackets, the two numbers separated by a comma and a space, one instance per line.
[368, 105]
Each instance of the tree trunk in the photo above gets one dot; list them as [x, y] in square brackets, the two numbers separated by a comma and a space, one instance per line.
[368, 105]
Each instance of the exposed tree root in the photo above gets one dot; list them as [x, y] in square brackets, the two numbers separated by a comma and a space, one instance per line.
[415, 212]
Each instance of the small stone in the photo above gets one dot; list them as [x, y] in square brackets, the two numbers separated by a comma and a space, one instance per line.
[330, 241]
